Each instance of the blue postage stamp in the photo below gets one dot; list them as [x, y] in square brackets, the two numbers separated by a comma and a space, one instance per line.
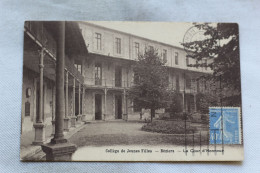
[229, 118]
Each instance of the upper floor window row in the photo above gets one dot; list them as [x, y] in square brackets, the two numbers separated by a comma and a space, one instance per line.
[118, 46]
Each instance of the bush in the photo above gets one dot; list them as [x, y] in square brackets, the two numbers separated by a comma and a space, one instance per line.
[175, 106]
[168, 127]
[204, 101]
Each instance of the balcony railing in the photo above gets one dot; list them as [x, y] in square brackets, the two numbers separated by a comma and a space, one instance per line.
[71, 68]
[110, 83]
[38, 31]
[42, 35]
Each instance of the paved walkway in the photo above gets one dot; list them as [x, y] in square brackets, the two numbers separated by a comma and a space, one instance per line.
[121, 133]
[29, 151]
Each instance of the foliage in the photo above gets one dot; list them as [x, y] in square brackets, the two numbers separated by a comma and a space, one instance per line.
[168, 127]
[204, 101]
[175, 105]
[151, 82]
[221, 48]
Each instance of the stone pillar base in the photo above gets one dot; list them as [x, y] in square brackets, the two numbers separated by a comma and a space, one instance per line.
[59, 152]
[79, 118]
[39, 137]
[73, 121]
[53, 127]
[83, 118]
[66, 124]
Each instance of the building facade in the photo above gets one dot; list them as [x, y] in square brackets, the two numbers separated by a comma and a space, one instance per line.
[108, 73]
[98, 73]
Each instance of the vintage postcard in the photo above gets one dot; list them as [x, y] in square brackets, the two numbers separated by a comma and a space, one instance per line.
[131, 91]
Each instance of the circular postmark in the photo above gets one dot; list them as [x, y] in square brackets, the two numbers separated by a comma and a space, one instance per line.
[193, 34]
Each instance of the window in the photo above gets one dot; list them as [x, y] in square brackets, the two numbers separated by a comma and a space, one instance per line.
[98, 41]
[176, 58]
[164, 55]
[197, 64]
[118, 76]
[98, 74]
[118, 45]
[187, 61]
[27, 108]
[78, 67]
[137, 49]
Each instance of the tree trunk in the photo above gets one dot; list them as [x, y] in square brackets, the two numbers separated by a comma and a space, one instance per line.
[152, 114]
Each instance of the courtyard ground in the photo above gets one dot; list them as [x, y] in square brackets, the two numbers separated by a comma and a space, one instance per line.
[125, 133]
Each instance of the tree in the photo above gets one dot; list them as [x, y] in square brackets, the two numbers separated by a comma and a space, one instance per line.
[220, 47]
[151, 82]
[175, 104]
[204, 101]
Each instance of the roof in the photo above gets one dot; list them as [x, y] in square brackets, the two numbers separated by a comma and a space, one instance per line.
[75, 44]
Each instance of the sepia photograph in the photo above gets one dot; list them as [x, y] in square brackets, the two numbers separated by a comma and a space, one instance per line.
[131, 91]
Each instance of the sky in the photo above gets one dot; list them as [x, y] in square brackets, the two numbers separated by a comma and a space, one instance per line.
[167, 32]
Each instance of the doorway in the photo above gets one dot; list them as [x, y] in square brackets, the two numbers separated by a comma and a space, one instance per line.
[77, 111]
[118, 107]
[98, 107]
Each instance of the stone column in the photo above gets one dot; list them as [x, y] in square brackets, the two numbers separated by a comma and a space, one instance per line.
[125, 104]
[53, 111]
[195, 103]
[66, 119]
[126, 108]
[59, 149]
[79, 115]
[73, 118]
[39, 125]
[83, 107]
[183, 102]
[105, 104]
[60, 107]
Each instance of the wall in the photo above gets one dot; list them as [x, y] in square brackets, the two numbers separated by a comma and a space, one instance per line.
[108, 46]
[30, 79]
[28, 82]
